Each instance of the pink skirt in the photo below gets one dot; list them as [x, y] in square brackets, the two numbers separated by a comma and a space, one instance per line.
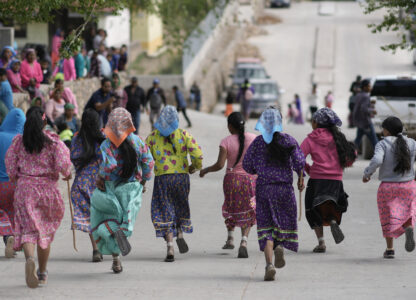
[396, 203]
[239, 208]
[39, 210]
[6, 208]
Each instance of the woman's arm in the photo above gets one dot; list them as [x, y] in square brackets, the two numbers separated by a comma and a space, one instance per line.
[376, 162]
[222, 157]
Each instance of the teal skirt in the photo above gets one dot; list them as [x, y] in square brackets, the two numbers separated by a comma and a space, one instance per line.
[114, 209]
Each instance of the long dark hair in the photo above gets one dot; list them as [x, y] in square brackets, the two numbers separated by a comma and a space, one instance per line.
[236, 120]
[276, 151]
[345, 149]
[401, 151]
[129, 157]
[90, 135]
[171, 142]
[33, 137]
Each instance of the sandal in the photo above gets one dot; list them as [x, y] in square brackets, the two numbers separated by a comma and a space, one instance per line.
[32, 280]
[269, 273]
[183, 247]
[122, 242]
[229, 244]
[97, 256]
[117, 267]
[336, 232]
[389, 254]
[279, 259]
[410, 240]
[242, 252]
[9, 251]
[42, 277]
[319, 249]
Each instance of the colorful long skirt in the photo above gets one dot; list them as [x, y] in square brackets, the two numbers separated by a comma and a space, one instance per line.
[276, 213]
[239, 208]
[81, 192]
[396, 203]
[39, 210]
[6, 208]
[112, 210]
[170, 206]
[325, 200]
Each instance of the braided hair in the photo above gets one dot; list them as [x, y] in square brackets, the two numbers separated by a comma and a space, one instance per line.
[236, 120]
[401, 151]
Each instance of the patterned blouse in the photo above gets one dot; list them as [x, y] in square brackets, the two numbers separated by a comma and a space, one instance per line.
[169, 162]
[256, 161]
[111, 166]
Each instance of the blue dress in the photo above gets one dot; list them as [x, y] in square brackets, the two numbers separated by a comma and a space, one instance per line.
[84, 184]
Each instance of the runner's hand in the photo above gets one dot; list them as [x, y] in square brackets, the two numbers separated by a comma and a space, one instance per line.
[366, 179]
[191, 169]
[67, 178]
[301, 184]
[202, 173]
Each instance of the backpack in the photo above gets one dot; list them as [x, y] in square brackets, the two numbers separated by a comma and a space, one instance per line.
[248, 94]
[155, 101]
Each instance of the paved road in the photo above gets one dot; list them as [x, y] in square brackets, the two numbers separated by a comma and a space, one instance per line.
[353, 269]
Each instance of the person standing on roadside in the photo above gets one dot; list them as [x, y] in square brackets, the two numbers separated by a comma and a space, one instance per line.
[362, 115]
[313, 99]
[181, 104]
[196, 96]
[244, 97]
[135, 101]
[155, 97]
[102, 101]
[354, 89]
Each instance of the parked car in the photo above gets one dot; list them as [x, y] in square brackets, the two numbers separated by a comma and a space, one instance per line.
[280, 3]
[247, 68]
[392, 96]
[266, 93]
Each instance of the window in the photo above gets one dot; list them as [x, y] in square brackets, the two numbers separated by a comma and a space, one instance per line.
[404, 88]
[20, 30]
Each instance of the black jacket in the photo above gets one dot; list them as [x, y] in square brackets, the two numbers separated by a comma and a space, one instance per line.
[134, 100]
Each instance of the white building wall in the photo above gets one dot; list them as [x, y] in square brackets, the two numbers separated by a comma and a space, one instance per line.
[117, 27]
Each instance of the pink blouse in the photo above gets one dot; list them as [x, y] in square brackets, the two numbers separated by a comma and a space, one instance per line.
[28, 71]
[14, 80]
[54, 109]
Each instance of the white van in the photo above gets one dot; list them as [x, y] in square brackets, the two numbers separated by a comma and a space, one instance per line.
[393, 96]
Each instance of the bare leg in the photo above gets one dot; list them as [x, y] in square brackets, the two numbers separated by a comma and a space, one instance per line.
[43, 256]
[244, 232]
[93, 243]
[268, 252]
[389, 242]
[229, 244]
[29, 250]
[319, 231]
[169, 241]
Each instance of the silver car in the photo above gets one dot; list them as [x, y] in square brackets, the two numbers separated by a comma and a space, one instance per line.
[266, 93]
[248, 68]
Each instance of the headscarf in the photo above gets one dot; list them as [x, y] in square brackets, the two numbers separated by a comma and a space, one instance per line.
[168, 121]
[14, 122]
[270, 122]
[10, 48]
[119, 126]
[69, 106]
[34, 100]
[28, 51]
[326, 117]
[58, 32]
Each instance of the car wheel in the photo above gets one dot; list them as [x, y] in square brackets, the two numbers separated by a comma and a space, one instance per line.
[368, 150]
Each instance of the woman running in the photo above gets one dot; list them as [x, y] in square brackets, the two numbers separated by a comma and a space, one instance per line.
[34, 162]
[396, 196]
[124, 170]
[86, 157]
[274, 156]
[325, 199]
[239, 208]
[170, 147]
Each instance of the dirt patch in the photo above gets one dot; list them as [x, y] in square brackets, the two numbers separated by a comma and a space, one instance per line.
[266, 19]
[248, 50]
[255, 31]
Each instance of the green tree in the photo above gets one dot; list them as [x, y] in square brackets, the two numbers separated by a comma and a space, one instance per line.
[399, 18]
[180, 17]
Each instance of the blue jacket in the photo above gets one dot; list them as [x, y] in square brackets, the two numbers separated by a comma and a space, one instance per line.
[180, 100]
[12, 125]
[6, 94]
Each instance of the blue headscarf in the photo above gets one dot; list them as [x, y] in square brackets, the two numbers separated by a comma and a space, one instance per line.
[270, 122]
[168, 121]
[9, 48]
